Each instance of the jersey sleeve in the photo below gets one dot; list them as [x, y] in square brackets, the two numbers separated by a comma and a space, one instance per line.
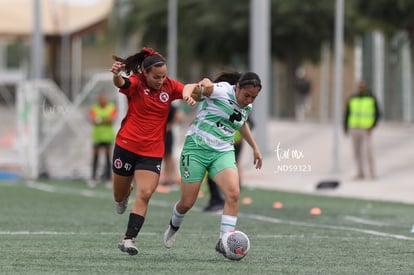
[177, 89]
[127, 91]
[220, 89]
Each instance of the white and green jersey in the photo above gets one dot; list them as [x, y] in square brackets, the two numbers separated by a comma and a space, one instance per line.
[218, 118]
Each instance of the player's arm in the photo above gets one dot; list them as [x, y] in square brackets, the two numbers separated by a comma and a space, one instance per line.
[248, 136]
[204, 88]
[188, 93]
[116, 69]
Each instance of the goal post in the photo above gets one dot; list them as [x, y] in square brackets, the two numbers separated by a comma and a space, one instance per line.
[53, 133]
[27, 101]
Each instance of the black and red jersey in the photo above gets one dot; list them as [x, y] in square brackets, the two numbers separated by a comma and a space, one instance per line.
[143, 127]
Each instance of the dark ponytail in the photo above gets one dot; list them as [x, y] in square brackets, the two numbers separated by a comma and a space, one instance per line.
[141, 61]
[229, 77]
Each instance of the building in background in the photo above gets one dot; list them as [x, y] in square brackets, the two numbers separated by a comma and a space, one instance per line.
[65, 28]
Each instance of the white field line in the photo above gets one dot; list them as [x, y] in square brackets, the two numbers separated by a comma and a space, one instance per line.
[327, 226]
[365, 221]
[67, 190]
[92, 193]
[33, 233]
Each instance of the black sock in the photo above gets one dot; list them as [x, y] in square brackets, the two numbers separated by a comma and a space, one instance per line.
[134, 225]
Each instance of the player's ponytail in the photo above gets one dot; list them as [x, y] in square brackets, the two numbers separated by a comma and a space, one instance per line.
[143, 60]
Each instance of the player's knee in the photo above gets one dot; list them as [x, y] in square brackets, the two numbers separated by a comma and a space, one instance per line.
[145, 195]
[233, 197]
[184, 206]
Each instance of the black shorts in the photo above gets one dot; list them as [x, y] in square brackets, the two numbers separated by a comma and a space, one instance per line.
[124, 162]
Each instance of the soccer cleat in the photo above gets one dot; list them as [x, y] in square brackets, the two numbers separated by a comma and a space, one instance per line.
[220, 248]
[169, 236]
[123, 205]
[128, 246]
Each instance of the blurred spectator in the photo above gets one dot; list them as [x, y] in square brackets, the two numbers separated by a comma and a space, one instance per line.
[361, 117]
[102, 114]
[303, 99]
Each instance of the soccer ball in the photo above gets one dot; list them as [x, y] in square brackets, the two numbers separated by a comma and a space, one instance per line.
[236, 244]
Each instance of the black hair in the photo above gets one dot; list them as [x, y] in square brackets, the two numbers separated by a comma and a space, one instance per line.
[230, 77]
[250, 78]
[143, 60]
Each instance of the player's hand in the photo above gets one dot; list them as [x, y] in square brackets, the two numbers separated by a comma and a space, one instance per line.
[257, 159]
[208, 86]
[189, 100]
[187, 93]
[117, 67]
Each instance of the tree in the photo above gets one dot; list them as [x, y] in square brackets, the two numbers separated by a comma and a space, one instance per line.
[298, 30]
[386, 15]
[216, 33]
[392, 17]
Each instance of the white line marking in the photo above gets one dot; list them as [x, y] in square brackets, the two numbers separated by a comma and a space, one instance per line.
[365, 221]
[49, 188]
[343, 228]
[67, 190]
[42, 187]
[65, 233]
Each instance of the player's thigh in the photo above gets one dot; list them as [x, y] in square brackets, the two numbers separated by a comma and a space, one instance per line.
[189, 192]
[221, 161]
[146, 182]
[224, 172]
[228, 181]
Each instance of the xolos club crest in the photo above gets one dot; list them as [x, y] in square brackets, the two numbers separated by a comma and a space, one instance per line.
[164, 97]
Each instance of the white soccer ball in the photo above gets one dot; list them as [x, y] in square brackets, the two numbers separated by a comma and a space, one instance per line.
[236, 245]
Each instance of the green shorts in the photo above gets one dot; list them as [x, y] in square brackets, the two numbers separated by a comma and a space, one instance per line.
[196, 161]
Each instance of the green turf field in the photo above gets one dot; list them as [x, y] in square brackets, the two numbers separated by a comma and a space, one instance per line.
[68, 228]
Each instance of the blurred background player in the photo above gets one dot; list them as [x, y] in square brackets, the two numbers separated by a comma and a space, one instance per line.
[102, 115]
[303, 100]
